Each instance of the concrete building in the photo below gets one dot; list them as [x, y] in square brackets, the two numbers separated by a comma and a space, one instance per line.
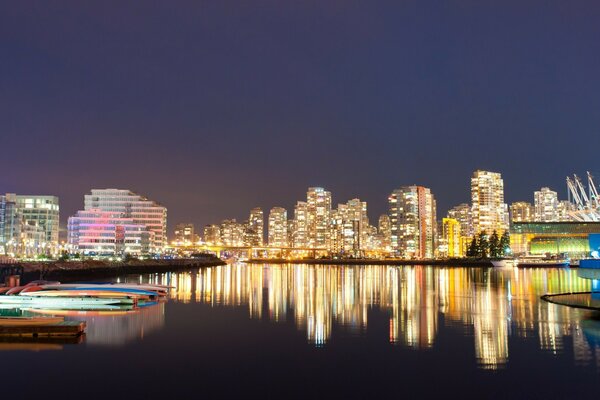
[185, 234]
[521, 211]
[254, 235]
[108, 234]
[451, 244]
[546, 205]
[29, 224]
[413, 222]
[462, 213]
[489, 212]
[384, 229]
[278, 227]
[212, 235]
[318, 206]
[300, 228]
[131, 205]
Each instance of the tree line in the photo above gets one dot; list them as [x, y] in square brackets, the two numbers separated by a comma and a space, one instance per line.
[495, 246]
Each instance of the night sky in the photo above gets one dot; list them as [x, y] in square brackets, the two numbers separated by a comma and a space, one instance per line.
[212, 108]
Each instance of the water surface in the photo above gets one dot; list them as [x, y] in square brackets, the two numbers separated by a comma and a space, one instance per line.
[298, 331]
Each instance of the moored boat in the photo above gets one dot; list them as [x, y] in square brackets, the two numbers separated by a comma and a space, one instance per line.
[531, 262]
[29, 321]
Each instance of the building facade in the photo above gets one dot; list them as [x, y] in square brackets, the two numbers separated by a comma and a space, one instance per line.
[413, 222]
[521, 211]
[318, 202]
[278, 227]
[185, 234]
[29, 225]
[255, 228]
[489, 212]
[131, 205]
[546, 205]
[108, 234]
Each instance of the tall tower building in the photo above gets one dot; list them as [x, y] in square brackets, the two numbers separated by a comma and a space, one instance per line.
[488, 209]
[385, 232]
[278, 224]
[300, 225]
[521, 211]
[413, 221]
[462, 213]
[140, 209]
[318, 202]
[546, 205]
[352, 227]
[255, 228]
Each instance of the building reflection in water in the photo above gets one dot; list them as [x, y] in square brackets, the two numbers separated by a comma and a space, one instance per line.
[117, 328]
[489, 305]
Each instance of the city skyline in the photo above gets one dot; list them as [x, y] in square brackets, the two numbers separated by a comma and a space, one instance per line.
[214, 118]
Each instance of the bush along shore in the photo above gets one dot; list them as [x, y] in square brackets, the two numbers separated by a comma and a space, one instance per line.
[98, 269]
[447, 262]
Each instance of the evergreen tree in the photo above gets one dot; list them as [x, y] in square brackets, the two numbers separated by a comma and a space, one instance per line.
[472, 250]
[505, 243]
[494, 246]
[483, 246]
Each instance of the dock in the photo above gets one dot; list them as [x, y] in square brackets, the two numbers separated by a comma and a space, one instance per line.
[63, 329]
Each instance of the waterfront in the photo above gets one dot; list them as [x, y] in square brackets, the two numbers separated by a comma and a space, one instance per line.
[332, 331]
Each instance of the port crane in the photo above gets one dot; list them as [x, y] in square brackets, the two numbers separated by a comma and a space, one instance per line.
[587, 202]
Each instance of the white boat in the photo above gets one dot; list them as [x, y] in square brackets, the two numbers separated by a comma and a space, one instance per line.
[503, 263]
[62, 302]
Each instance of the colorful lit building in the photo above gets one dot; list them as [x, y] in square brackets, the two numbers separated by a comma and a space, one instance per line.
[540, 238]
[108, 234]
[131, 205]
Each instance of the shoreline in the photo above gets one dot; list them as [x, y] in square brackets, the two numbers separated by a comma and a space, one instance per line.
[458, 262]
[98, 269]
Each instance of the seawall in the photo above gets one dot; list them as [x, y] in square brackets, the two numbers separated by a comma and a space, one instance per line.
[65, 271]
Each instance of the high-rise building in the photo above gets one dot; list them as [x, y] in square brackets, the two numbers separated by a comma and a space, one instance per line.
[232, 233]
[100, 233]
[212, 235]
[385, 232]
[546, 205]
[489, 212]
[318, 202]
[462, 213]
[29, 225]
[300, 225]
[413, 222]
[565, 208]
[521, 211]
[255, 228]
[278, 227]
[350, 228]
[185, 233]
[451, 238]
[131, 205]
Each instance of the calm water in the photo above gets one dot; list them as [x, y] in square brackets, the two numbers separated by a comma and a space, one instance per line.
[298, 331]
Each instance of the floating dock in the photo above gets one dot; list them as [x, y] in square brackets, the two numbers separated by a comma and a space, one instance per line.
[63, 329]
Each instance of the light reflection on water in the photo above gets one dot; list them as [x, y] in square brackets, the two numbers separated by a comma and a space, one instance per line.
[489, 305]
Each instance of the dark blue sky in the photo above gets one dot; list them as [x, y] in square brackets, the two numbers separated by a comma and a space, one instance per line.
[215, 107]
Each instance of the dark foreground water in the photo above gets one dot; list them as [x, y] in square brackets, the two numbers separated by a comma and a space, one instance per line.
[299, 331]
